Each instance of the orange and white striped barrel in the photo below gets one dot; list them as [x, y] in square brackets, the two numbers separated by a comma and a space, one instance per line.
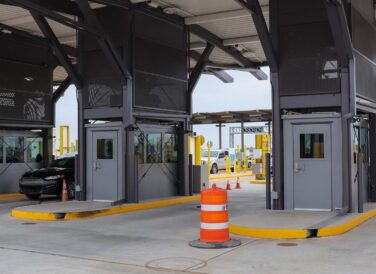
[214, 216]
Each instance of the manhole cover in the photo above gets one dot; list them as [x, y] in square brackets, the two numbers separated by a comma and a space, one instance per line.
[175, 264]
[287, 244]
[28, 223]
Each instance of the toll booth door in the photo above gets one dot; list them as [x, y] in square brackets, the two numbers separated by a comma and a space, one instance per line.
[312, 167]
[104, 166]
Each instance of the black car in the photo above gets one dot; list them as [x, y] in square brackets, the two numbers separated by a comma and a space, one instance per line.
[48, 180]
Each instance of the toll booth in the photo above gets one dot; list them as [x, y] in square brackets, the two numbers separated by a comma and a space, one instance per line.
[141, 123]
[323, 104]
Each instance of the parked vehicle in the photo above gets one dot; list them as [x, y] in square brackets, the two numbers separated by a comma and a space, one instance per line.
[48, 180]
[217, 159]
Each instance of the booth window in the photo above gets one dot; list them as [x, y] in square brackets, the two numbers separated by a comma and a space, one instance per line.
[14, 149]
[170, 148]
[1, 150]
[34, 150]
[154, 148]
[105, 149]
[312, 146]
[139, 147]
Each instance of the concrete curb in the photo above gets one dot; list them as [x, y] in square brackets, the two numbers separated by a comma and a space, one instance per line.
[65, 216]
[273, 233]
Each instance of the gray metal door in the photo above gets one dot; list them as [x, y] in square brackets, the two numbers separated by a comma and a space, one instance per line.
[312, 167]
[105, 165]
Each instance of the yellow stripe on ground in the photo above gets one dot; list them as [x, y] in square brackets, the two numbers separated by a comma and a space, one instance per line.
[216, 177]
[44, 216]
[11, 195]
[349, 225]
[268, 233]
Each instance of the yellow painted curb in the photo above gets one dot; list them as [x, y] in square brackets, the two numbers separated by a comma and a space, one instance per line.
[11, 195]
[45, 216]
[271, 233]
[349, 225]
[216, 177]
[268, 233]
[37, 216]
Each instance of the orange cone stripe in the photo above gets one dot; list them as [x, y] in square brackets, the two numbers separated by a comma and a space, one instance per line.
[214, 217]
[214, 199]
[214, 236]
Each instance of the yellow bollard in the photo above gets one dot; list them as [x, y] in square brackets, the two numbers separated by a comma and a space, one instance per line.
[198, 142]
[209, 164]
[245, 159]
[228, 165]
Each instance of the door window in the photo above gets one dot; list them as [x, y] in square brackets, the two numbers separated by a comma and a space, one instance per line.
[34, 152]
[139, 147]
[312, 146]
[14, 149]
[154, 148]
[105, 149]
[170, 148]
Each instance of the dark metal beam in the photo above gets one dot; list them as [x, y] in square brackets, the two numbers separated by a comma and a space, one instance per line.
[253, 6]
[201, 63]
[125, 4]
[59, 50]
[236, 55]
[340, 31]
[61, 90]
[105, 42]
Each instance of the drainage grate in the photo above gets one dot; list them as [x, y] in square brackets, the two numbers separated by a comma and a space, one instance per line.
[287, 244]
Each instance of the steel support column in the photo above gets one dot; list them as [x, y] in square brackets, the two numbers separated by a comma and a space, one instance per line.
[372, 170]
[242, 137]
[253, 6]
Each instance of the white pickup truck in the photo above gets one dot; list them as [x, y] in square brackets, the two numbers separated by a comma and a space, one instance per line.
[217, 159]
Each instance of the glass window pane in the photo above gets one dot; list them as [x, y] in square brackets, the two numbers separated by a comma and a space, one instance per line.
[154, 148]
[14, 149]
[170, 148]
[312, 146]
[105, 149]
[1, 150]
[34, 150]
[139, 147]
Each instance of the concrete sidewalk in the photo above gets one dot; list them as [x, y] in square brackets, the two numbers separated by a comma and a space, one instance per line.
[248, 216]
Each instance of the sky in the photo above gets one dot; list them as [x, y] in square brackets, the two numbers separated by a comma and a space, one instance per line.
[210, 95]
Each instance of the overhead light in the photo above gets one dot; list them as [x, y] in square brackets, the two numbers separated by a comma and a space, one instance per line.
[249, 54]
[5, 31]
[28, 79]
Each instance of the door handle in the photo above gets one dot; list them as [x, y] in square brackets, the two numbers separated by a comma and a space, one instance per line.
[96, 165]
[298, 168]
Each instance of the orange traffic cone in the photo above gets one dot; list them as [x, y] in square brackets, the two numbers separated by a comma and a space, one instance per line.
[214, 228]
[228, 186]
[64, 196]
[237, 184]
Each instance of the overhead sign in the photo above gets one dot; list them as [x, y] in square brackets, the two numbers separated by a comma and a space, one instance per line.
[249, 130]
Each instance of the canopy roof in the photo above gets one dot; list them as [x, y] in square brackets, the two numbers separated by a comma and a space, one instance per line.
[225, 21]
